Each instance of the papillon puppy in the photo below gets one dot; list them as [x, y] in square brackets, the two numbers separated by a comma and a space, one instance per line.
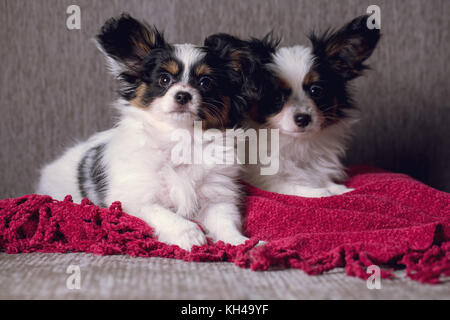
[163, 88]
[312, 108]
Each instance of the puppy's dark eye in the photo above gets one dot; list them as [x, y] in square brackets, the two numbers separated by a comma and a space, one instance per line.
[316, 91]
[280, 99]
[282, 96]
[205, 83]
[165, 80]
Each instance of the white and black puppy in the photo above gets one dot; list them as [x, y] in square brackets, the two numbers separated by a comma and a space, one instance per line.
[313, 110]
[163, 88]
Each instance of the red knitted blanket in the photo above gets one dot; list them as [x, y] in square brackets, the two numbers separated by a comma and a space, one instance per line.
[390, 220]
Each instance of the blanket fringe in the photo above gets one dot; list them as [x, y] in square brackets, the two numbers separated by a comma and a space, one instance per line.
[430, 265]
[427, 266]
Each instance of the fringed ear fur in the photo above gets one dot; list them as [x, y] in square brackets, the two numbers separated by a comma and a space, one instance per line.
[348, 48]
[126, 42]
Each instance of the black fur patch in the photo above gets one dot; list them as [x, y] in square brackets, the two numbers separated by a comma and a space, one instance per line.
[248, 58]
[335, 97]
[92, 177]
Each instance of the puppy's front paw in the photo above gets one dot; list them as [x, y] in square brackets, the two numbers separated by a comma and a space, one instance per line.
[332, 190]
[185, 235]
[236, 240]
[308, 192]
[337, 189]
[233, 238]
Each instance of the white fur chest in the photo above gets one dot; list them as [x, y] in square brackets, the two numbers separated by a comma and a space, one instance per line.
[142, 161]
[179, 185]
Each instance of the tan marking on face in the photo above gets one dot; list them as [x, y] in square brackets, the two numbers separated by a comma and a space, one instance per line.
[310, 78]
[236, 58]
[217, 119]
[203, 70]
[171, 66]
[283, 84]
[138, 100]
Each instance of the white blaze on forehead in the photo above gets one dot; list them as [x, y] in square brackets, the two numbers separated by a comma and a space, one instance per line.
[292, 64]
[189, 55]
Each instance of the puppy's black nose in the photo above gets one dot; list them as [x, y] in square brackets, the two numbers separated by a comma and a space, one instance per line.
[183, 97]
[302, 119]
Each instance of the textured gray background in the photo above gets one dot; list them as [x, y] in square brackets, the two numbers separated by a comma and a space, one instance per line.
[54, 88]
[43, 276]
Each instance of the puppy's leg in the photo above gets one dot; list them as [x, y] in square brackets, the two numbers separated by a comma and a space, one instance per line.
[223, 222]
[171, 228]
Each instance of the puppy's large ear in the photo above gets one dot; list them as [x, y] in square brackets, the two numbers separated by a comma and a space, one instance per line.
[347, 49]
[127, 42]
[245, 58]
[243, 54]
[229, 48]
